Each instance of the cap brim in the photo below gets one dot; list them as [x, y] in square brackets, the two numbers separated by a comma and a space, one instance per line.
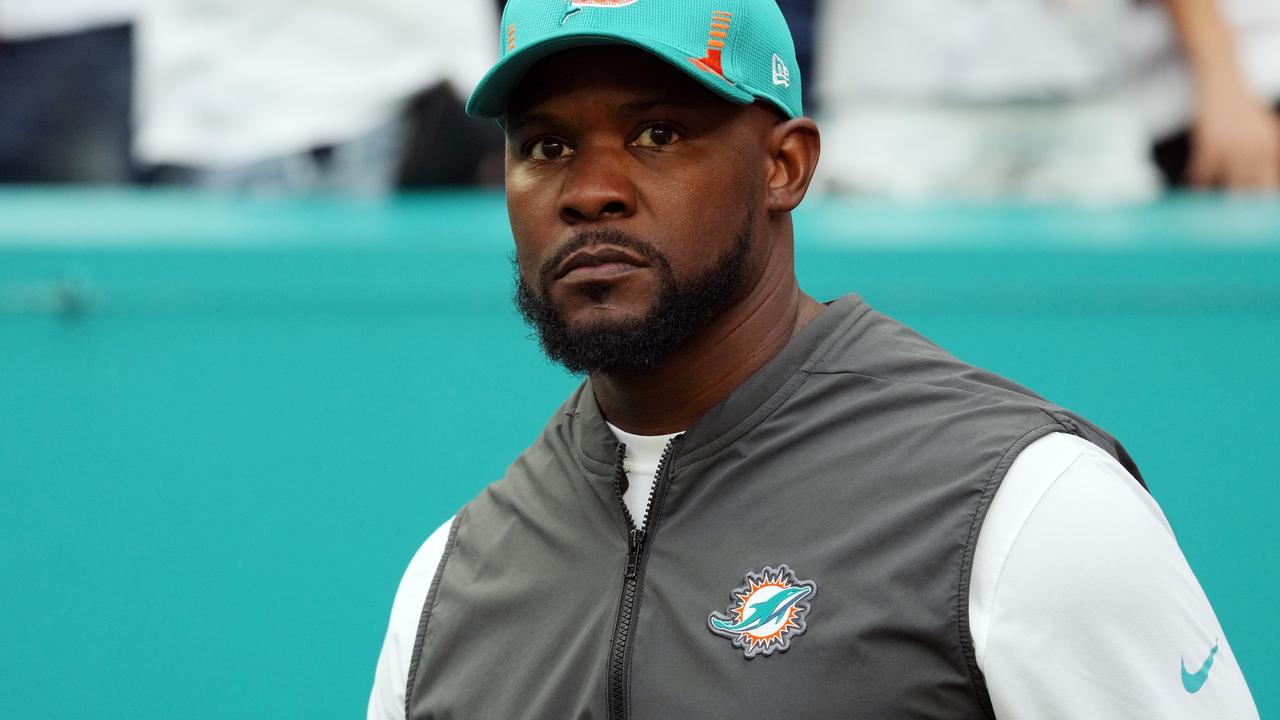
[490, 97]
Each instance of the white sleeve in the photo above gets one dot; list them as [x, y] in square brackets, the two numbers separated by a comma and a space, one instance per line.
[1083, 606]
[386, 701]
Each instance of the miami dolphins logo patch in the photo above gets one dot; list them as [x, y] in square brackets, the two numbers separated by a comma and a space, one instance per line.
[767, 611]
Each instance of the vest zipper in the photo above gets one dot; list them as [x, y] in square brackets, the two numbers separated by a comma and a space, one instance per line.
[628, 603]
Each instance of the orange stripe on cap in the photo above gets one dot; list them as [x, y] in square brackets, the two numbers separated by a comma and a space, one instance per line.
[719, 34]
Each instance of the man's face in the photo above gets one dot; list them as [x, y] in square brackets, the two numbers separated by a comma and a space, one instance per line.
[633, 194]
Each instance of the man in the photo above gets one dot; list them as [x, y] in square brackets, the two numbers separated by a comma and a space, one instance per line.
[757, 504]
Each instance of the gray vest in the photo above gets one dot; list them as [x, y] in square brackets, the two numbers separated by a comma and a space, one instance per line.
[853, 471]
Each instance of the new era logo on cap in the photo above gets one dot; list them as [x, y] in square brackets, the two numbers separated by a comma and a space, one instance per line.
[781, 73]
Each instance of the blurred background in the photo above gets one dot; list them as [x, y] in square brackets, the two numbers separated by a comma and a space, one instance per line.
[256, 339]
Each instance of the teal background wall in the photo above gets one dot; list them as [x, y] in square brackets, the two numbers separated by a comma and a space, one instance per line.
[225, 426]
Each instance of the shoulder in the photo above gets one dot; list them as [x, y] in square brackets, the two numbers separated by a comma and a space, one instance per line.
[876, 357]
[1096, 479]
[1082, 603]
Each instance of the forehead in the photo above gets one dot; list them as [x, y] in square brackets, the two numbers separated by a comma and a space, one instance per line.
[615, 74]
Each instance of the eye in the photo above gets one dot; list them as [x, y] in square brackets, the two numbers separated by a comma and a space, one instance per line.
[657, 136]
[548, 148]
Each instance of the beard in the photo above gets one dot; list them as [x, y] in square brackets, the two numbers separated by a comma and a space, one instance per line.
[680, 310]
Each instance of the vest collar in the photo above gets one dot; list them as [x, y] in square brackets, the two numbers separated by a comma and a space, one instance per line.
[744, 408]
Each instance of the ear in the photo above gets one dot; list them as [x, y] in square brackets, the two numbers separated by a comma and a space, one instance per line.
[794, 146]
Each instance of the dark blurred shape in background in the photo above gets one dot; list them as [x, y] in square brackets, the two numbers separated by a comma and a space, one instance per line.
[65, 84]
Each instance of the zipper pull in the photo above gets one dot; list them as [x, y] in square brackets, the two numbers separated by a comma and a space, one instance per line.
[635, 541]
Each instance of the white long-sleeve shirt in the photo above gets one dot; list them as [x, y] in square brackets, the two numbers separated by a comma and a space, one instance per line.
[1081, 603]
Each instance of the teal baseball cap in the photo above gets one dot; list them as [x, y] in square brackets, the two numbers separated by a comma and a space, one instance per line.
[740, 50]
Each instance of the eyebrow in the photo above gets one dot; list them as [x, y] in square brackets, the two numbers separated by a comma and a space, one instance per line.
[519, 121]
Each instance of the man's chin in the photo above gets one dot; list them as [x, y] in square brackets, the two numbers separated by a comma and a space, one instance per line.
[612, 347]
[633, 322]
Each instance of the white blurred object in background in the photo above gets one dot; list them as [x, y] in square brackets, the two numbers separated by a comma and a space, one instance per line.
[1036, 99]
[1086, 151]
[970, 51]
[226, 85]
[1257, 27]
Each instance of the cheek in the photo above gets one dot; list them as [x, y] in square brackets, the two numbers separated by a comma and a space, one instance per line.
[704, 215]
[716, 190]
[525, 214]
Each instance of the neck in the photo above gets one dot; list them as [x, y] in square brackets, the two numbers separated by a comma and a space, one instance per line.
[671, 397]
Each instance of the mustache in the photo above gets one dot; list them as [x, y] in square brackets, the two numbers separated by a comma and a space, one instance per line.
[602, 236]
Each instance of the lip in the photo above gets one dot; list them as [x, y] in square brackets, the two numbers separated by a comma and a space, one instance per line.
[600, 261]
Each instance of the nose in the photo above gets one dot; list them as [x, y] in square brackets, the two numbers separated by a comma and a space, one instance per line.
[597, 187]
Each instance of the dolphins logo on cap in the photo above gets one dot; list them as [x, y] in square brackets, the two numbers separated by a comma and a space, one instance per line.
[573, 7]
